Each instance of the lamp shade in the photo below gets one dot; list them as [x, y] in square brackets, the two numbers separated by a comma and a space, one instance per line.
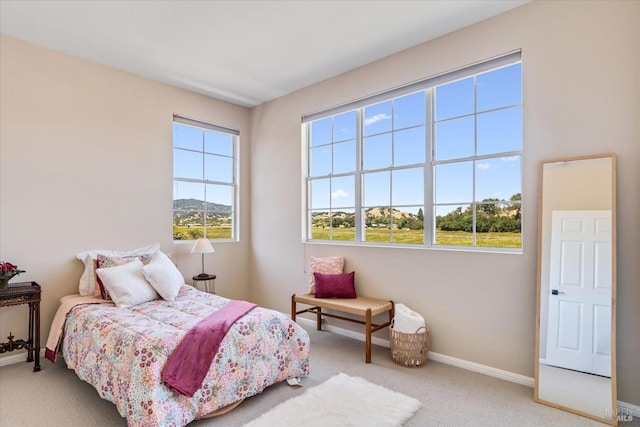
[202, 246]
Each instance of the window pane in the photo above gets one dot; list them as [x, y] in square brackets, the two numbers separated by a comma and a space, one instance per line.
[188, 210]
[344, 126]
[344, 157]
[218, 143]
[188, 190]
[187, 225]
[320, 132]
[455, 138]
[376, 224]
[376, 189]
[187, 137]
[320, 194]
[454, 99]
[320, 225]
[343, 192]
[377, 151]
[320, 162]
[500, 88]
[498, 225]
[408, 225]
[220, 198]
[218, 168]
[377, 118]
[187, 164]
[409, 146]
[219, 211]
[343, 225]
[409, 110]
[408, 187]
[498, 178]
[454, 225]
[500, 131]
[454, 182]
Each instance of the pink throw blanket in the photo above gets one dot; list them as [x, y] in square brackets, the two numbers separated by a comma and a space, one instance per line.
[190, 361]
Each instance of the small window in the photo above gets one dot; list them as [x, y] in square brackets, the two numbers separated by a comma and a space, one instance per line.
[204, 181]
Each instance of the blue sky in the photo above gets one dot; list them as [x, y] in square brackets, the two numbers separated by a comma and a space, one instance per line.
[459, 133]
[218, 163]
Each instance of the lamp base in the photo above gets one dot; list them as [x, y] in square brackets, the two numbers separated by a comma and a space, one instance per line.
[203, 275]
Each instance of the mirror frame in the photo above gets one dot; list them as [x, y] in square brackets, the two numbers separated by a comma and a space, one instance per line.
[614, 397]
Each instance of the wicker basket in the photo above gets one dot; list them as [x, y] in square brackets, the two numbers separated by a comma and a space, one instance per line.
[409, 350]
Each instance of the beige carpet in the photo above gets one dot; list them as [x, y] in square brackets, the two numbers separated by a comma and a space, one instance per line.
[450, 396]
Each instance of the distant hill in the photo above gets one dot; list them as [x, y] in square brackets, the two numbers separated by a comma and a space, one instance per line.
[374, 217]
[189, 211]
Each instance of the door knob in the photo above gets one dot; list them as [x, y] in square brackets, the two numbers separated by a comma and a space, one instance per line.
[556, 292]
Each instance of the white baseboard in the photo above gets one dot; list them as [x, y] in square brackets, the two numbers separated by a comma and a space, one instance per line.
[628, 408]
[454, 361]
[471, 366]
[18, 358]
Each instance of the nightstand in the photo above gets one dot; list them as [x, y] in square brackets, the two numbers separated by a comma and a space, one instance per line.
[209, 282]
[24, 293]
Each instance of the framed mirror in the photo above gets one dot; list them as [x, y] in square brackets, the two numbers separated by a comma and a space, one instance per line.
[575, 365]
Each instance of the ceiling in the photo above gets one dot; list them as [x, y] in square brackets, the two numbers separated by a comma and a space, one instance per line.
[244, 52]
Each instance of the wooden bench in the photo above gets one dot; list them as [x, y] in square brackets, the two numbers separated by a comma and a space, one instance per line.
[360, 306]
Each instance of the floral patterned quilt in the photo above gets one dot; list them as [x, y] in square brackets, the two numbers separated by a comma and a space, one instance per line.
[122, 351]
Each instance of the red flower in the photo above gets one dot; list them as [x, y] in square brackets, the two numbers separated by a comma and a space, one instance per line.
[8, 271]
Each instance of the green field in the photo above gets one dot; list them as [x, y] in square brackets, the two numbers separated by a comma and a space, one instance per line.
[192, 233]
[448, 238]
[445, 238]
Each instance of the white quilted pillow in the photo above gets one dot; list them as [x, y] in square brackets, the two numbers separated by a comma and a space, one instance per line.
[328, 265]
[126, 284]
[163, 275]
[88, 285]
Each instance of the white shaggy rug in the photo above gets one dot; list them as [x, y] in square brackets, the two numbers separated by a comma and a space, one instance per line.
[342, 401]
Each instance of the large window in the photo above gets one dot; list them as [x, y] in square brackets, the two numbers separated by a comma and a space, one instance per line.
[437, 163]
[204, 180]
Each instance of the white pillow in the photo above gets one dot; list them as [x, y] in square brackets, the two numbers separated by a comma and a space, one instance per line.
[163, 275]
[88, 285]
[126, 284]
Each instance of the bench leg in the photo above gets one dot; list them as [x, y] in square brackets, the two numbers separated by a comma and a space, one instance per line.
[368, 337]
[319, 318]
[293, 307]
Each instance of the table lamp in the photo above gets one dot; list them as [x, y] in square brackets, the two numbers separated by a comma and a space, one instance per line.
[202, 246]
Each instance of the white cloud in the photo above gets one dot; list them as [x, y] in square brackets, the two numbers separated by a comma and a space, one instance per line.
[483, 166]
[376, 118]
[510, 159]
[339, 194]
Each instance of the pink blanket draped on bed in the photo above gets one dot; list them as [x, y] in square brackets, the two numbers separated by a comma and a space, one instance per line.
[189, 363]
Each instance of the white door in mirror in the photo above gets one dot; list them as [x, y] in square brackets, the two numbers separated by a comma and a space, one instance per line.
[579, 327]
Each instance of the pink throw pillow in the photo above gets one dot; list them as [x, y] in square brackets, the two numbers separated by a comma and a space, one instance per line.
[327, 265]
[335, 285]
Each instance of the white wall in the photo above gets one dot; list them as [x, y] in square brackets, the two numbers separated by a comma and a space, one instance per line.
[86, 163]
[581, 84]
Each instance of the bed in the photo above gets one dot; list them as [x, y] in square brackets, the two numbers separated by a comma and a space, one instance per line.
[122, 351]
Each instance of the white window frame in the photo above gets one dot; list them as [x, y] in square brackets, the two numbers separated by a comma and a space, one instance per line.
[428, 86]
[235, 134]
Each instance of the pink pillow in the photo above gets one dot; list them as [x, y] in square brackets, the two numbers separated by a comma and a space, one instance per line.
[328, 265]
[335, 285]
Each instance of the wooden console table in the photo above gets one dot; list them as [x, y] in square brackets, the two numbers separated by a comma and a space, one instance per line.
[24, 293]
